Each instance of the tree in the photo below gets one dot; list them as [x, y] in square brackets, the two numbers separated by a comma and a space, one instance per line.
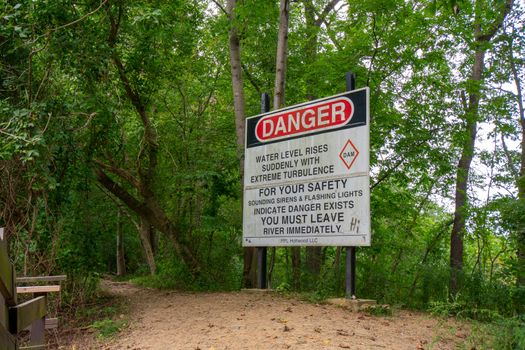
[520, 180]
[482, 35]
[313, 24]
[147, 206]
[249, 271]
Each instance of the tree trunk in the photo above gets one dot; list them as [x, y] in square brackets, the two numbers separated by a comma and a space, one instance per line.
[296, 268]
[154, 240]
[145, 236]
[281, 55]
[482, 38]
[151, 212]
[520, 251]
[273, 252]
[249, 271]
[313, 25]
[121, 264]
[338, 269]
[278, 102]
[463, 170]
[313, 260]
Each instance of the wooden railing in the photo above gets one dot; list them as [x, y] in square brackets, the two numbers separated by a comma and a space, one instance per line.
[16, 317]
[42, 286]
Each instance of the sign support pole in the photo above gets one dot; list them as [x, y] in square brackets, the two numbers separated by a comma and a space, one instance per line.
[350, 251]
[262, 282]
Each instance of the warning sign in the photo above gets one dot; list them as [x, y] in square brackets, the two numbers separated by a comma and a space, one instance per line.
[307, 174]
[349, 154]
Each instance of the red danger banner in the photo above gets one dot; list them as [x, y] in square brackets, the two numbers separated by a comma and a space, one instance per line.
[339, 112]
[300, 121]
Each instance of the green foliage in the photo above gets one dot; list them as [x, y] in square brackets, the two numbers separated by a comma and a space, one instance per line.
[378, 310]
[108, 328]
[78, 290]
[510, 333]
[283, 288]
[460, 309]
[504, 333]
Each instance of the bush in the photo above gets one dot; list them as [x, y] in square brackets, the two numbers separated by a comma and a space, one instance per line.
[461, 309]
[510, 333]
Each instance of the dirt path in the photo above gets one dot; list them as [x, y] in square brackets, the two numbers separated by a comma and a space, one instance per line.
[255, 320]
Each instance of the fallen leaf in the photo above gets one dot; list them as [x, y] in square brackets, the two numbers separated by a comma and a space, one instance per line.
[344, 346]
[461, 335]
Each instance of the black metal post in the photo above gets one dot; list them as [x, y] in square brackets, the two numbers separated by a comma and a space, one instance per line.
[350, 273]
[262, 282]
[261, 271]
[350, 251]
[350, 81]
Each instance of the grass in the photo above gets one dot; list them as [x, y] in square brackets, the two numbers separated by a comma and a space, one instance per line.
[107, 328]
[378, 310]
[103, 313]
[489, 329]
[106, 315]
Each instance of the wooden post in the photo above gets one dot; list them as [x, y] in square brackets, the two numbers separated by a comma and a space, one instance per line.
[38, 328]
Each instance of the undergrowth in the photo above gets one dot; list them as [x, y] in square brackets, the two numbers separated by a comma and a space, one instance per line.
[490, 330]
[94, 309]
[107, 327]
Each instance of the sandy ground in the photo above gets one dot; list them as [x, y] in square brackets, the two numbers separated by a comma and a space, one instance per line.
[259, 320]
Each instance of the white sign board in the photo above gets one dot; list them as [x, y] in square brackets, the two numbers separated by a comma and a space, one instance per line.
[306, 178]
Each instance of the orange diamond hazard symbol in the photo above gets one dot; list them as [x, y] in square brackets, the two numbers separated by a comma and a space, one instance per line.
[349, 154]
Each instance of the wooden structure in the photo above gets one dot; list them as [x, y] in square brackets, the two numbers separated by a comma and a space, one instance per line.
[52, 285]
[16, 317]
